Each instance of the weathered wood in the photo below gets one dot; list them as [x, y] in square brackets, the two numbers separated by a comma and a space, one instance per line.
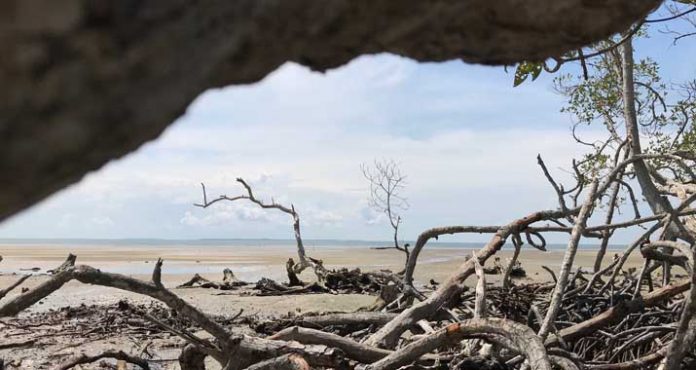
[567, 264]
[620, 311]
[290, 361]
[523, 337]
[119, 355]
[357, 351]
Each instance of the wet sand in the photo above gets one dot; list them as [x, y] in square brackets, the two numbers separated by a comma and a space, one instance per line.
[55, 343]
[248, 264]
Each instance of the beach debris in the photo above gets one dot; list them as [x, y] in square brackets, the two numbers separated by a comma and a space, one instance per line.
[586, 308]
[32, 269]
[229, 281]
[121, 357]
[67, 264]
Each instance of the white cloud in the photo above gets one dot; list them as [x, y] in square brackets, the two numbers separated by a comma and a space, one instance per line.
[102, 221]
[462, 134]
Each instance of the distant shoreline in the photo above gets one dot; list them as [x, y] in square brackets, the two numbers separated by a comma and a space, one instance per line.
[252, 242]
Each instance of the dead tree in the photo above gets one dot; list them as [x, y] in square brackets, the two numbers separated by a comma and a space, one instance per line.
[386, 184]
[304, 260]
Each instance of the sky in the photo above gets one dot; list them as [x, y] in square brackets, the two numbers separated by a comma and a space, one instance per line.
[466, 139]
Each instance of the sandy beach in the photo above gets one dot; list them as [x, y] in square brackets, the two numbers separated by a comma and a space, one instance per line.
[59, 335]
[249, 264]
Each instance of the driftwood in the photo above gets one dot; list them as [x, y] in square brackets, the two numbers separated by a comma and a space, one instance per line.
[521, 336]
[119, 355]
[306, 339]
[290, 361]
[229, 281]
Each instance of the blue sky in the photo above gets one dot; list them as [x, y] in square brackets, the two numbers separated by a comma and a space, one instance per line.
[464, 136]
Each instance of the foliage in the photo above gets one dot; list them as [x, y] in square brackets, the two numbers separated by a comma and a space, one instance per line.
[526, 69]
[665, 112]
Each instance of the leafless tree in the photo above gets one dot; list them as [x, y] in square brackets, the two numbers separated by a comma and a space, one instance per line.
[387, 182]
[304, 260]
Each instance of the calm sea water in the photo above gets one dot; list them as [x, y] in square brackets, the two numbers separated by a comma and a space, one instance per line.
[231, 243]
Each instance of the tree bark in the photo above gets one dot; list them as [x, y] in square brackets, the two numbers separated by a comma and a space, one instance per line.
[567, 264]
[191, 358]
[523, 337]
[388, 335]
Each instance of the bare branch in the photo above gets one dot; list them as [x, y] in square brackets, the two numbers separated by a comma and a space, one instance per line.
[523, 338]
[119, 355]
[567, 263]
[3, 292]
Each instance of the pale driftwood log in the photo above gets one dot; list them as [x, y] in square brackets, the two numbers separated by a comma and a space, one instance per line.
[356, 318]
[435, 232]
[517, 244]
[522, 336]
[567, 264]
[471, 346]
[250, 350]
[68, 263]
[41, 291]
[291, 361]
[606, 235]
[358, 351]
[119, 355]
[480, 300]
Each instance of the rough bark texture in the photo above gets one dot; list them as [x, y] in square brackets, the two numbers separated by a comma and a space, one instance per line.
[388, 335]
[567, 264]
[87, 81]
[523, 338]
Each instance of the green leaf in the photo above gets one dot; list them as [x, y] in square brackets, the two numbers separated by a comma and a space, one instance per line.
[524, 70]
